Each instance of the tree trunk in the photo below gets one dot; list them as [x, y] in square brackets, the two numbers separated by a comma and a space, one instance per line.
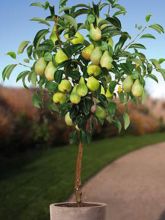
[78, 192]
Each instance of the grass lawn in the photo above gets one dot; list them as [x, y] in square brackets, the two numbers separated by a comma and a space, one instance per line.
[30, 183]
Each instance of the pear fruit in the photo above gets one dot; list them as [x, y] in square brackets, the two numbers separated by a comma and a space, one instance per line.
[78, 39]
[65, 86]
[86, 52]
[53, 35]
[110, 42]
[127, 84]
[137, 89]
[60, 56]
[82, 89]
[68, 119]
[59, 97]
[40, 66]
[100, 113]
[74, 97]
[93, 70]
[108, 94]
[102, 90]
[106, 61]
[96, 55]
[50, 71]
[93, 84]
[95, 33]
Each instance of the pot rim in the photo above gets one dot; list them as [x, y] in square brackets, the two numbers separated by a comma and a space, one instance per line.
[95, 205]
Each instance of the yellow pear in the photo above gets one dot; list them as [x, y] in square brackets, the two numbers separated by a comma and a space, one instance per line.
[40, 66]
[108, 94]
[82, 89]
[78, 39]
[96, 56]
[65, 86]
[93, 84]
[50, 71]
[137, 89]
[68, 119]
[95, 33]
[127, 84]
[59, 97]
[53, 35]
[74, 97]
[93, 69]
[60, 56]
[86, 53]
[106, 61]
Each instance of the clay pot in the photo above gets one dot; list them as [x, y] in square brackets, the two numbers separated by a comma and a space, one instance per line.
[69, 211]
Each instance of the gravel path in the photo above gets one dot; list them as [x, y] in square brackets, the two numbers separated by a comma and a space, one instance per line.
[132, 186]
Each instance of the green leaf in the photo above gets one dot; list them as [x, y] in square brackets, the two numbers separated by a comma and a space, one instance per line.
[161, 60]
[155, 63]
[22, 46]
[41, 21]
[126, 120]
[37, 101]
[115, 22]
[30, 51]
[22, 74]
[162, 71]
[37, 4]
[121, 42]
[58, 75]
[48, 57]
[33, 78]
[51, 86]
[26, 60]
[39, 36]
[148, 17]
[91, 18]
[112, 108]
[118, 125]
[71, 21]
[62, 4]
[157, 27]
[153, 77]
[8, 70]
[140, 46]
[12, 54]
[148, 36]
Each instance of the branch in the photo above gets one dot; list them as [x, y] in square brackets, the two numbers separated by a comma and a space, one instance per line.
[137, 36]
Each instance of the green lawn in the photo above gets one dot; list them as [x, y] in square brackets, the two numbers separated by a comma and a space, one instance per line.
[29, 184]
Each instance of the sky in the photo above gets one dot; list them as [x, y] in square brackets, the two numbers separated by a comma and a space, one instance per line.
[16, 26]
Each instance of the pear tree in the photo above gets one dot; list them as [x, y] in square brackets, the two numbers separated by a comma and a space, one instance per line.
[86, 61]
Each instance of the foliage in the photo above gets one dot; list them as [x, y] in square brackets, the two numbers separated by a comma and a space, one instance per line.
[60, 52]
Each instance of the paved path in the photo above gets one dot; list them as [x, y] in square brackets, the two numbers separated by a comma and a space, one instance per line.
[132, 186]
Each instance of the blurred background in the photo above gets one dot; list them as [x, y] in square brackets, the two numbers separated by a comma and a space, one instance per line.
[27, 134]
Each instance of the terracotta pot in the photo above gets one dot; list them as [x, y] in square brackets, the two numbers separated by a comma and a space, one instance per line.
[68, 211]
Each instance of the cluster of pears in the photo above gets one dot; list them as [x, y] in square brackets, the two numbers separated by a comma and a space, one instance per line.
[134, 86]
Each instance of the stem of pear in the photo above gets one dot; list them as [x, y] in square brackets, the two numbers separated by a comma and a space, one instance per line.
[78, 192]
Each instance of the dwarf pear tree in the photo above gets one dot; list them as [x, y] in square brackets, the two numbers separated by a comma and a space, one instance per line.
[86, 61]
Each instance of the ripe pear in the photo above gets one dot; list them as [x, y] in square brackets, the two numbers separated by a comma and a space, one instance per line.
[108, 94]
[137, 89]
[78, 39]
[68, 119]
[100, 113]
[65, 86]
[102, 90]
[110, 42]
[127, 84]
[93, 84]
[74, 97]
[53, 35]
[82, 89]
[96, 55]
[106, 61]
[93, 70]
[59, 97]
[50, 71]
[95, 33]
[40, 66]
[86, 52]
[60, 56]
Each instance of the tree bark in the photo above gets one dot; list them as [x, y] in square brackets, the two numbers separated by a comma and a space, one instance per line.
[78, 192]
